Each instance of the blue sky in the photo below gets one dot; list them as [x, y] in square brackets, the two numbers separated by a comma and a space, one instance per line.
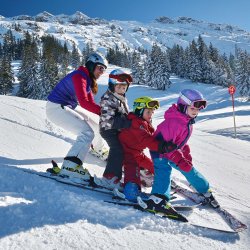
[235, 12]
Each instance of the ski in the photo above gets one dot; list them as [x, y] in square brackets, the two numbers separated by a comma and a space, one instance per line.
[137, 206]
[88, 185]
[230, 219]
[178, 208]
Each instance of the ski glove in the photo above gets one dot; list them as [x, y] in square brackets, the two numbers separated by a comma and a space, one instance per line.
[186, 152]
[121, 121]
[178, 158]
[166, 147]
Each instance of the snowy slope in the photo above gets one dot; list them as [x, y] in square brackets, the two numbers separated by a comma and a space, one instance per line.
[80, 29]
[37, 213]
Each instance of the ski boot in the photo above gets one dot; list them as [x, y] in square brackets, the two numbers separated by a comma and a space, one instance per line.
[158, 204]
[72, 168]
[131, 191]
[101, 154]
[147, 178]
[209, 199]
[109, 181]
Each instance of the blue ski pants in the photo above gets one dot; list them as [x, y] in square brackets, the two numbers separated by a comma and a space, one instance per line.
[162, 178]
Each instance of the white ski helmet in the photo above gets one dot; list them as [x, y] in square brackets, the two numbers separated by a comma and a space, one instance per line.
[95, 59]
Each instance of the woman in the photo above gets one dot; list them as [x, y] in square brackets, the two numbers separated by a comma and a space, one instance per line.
[66, 107]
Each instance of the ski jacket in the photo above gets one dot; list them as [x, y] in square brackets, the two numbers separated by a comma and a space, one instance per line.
[114, 110]
[139, 136]
[176, 127]
[75, 89]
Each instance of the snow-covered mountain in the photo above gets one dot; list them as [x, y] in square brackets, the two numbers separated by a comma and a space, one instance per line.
[166, 32]
[37, 213]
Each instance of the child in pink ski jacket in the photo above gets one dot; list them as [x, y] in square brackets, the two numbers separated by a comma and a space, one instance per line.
[177, 127]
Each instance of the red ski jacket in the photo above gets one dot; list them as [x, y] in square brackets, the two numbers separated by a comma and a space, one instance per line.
[139, 136]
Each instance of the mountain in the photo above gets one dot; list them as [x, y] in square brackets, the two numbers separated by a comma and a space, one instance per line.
[81, 29]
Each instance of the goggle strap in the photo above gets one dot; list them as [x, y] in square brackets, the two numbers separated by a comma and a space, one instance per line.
[185, 99]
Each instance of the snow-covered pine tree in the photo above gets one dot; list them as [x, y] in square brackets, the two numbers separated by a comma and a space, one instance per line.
[64, 61]
[158, 69]
[28, 71]
[243, 73]
[205, 63]
[136, 67]
[87, 50]
[75, 57]
[6, 75]
[194, 69]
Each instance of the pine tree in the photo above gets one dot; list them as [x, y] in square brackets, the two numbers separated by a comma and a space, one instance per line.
[75, 57]
[28, 72]
[48, 72]
[243, 73]
[135, 62]
[205, 64]
[6, 75]
[86, 52]
[194, 69]
[64, 61]
[158, 69]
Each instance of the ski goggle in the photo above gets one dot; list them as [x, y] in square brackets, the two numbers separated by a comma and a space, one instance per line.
[121, 78]
[150, 105]
[101, 67]
[200, 104]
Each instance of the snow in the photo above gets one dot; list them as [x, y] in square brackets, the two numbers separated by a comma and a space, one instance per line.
[38, 213]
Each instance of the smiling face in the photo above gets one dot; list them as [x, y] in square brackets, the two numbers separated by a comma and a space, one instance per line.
[148, 114]
[99, 70]
[192, 111]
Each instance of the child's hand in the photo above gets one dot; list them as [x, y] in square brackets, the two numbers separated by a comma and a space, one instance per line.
[186, 152]
[166, 147]
[178, 158]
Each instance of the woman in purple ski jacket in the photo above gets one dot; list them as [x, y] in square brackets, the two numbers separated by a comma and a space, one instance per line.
[71, 106]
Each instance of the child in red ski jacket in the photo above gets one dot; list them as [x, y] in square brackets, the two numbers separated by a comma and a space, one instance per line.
[135, 139]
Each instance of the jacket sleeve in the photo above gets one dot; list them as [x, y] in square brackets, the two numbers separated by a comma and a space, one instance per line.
[146, 138]
[85, 99]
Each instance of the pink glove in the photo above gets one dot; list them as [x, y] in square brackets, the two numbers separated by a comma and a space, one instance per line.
[178, 158]
[186, 152]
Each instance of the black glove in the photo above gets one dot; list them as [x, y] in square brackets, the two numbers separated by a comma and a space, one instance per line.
[121, 121]
[166, 147]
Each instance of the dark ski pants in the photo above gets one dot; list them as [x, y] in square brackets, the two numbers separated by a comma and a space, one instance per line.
[115, 158]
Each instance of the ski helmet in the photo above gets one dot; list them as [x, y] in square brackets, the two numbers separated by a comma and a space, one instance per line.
[191, 97]
[118, 76]
[144, 102]
[95, 59]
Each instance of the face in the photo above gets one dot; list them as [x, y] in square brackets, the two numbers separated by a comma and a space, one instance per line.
[99, 70]
[120, 89]
[192, 111]
[148, 114]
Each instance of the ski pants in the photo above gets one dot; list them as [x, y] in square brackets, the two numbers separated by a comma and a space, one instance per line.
[79, 123]
[115, 158]
[133, 163]
[162, 179]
